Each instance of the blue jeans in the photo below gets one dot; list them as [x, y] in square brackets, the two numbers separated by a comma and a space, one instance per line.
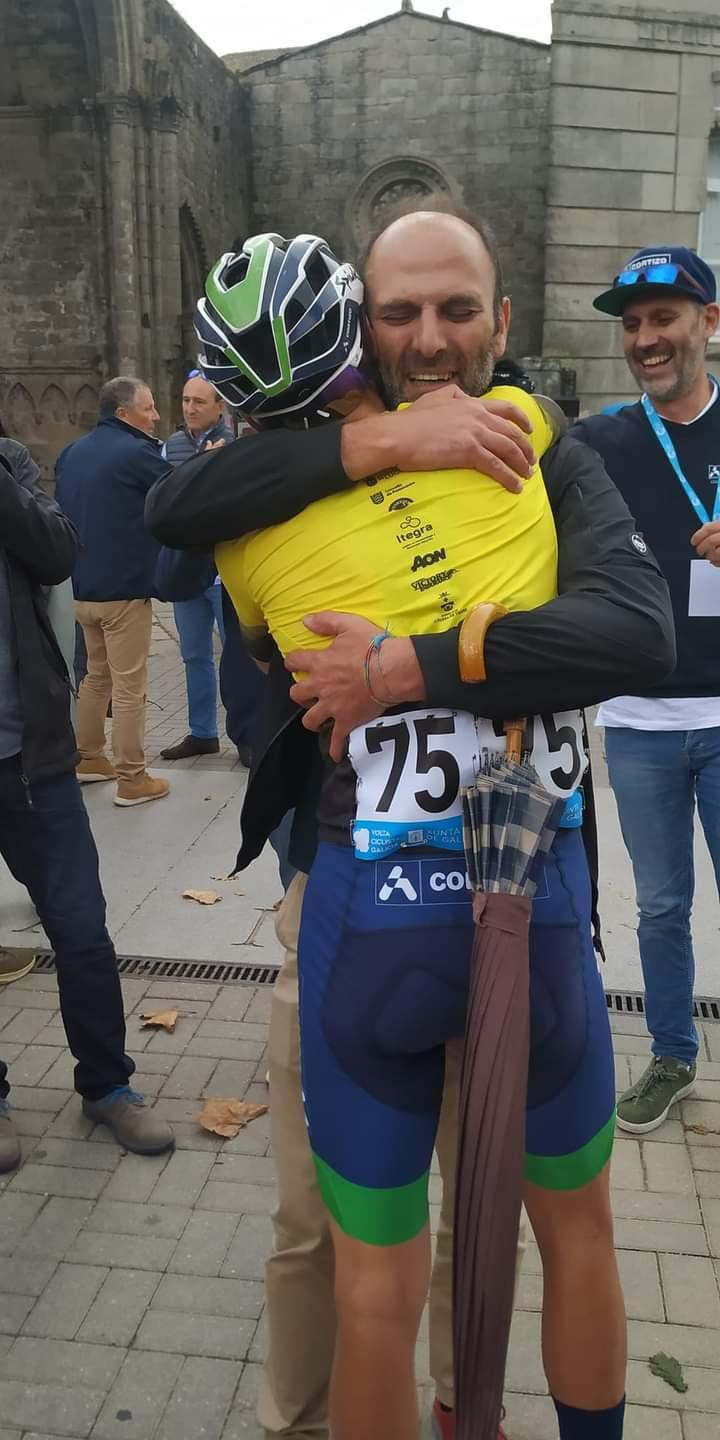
[47, 844]
[196, 620]
[657, 777]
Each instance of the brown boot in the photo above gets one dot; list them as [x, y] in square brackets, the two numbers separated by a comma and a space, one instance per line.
[138, 792]
[89, 771]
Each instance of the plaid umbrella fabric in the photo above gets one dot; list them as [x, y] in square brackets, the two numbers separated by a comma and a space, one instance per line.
[509, 820]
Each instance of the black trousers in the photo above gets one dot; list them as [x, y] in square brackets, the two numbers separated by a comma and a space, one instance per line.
[47, 844]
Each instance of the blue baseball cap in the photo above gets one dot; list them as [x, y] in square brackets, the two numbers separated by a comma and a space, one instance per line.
[671, 268]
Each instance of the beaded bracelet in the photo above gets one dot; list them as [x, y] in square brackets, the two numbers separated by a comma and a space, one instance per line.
[374, 649]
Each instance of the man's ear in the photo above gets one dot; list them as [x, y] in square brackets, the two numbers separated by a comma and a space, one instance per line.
[501, 333]
[369, 347]
[711, 320]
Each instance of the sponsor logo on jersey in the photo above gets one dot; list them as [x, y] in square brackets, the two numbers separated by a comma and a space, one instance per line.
[431, 557]
[429, 581]
[381, 475]
[409, 538]
[639, 543]
[439, 881]
[378, 497]
[396, 884]
[401, 503]
[410, 522]
[714, 474]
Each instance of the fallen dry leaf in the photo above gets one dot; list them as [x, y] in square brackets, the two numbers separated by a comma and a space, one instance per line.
[228, 1117]
[701, 1129]
[203, 897]
[667, 1368]
[163, 1019]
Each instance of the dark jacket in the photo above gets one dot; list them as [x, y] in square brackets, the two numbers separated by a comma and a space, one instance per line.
[179, 575]
[40, 549]
[101, 482]
[610, 623]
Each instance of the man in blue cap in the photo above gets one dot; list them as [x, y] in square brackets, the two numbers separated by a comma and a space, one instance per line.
[663, 745]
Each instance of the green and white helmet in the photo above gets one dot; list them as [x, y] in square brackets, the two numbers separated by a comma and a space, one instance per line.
[280, 329]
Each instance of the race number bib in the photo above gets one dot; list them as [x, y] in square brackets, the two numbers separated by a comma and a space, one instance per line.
[411, 769]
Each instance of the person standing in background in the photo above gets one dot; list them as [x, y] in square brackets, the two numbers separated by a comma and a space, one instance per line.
[101, 482]
[204, 426]
[663, 744]
[45, 836]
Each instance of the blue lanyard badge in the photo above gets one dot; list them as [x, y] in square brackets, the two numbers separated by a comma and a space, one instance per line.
[661, 434]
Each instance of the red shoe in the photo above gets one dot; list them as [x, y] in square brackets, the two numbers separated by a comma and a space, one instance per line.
[444, 1423]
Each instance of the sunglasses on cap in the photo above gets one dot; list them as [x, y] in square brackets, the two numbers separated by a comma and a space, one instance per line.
[659, 275]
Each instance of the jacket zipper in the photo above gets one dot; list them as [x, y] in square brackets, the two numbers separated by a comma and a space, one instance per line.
[28, 791]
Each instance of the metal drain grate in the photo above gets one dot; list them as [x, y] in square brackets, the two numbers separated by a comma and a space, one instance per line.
[632, 1002]
[619, 1002]
[145, 968]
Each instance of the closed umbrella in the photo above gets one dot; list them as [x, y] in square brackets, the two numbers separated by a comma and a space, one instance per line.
[509, 819]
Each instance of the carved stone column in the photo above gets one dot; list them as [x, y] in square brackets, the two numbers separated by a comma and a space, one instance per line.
[165, 254]
[121, 121]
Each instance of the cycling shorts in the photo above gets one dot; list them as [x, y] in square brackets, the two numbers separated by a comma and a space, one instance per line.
[384, 962]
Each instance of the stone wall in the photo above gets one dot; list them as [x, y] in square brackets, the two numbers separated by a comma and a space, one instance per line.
[400, 107]
[635, 91]
[123, 169]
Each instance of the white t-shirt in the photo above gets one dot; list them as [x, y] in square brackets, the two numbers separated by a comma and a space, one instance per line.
[635, 712]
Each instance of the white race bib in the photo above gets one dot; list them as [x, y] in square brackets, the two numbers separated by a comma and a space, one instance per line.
[412, 767]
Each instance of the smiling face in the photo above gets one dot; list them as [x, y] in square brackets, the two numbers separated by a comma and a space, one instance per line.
[665, 339]
[430, 307]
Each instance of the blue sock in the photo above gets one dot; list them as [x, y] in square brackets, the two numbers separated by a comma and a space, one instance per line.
[590, 1424]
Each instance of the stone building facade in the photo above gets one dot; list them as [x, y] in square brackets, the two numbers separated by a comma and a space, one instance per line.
[131, 155]
[635, 130]
[122, 170]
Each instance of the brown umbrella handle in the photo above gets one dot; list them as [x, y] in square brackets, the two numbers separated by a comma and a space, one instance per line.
[514, 732]
[471, 643]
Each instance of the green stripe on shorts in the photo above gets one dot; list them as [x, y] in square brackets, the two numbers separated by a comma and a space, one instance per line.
[571, 1172]
[389, 1216]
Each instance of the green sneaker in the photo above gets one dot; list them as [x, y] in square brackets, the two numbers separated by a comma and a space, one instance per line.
[647, 1103]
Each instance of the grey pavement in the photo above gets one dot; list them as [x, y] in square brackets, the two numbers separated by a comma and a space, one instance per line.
[131, 1297]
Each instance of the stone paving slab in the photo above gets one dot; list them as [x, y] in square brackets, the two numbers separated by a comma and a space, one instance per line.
[143, 1293]
[131, 1296]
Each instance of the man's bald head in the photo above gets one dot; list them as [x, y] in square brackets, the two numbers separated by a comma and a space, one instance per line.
[438, 221]
[434, 303]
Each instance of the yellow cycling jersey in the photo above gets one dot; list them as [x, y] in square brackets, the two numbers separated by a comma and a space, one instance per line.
[411, 551]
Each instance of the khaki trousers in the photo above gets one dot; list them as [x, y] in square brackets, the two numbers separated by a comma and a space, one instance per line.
[300, 1305]
[117, 637]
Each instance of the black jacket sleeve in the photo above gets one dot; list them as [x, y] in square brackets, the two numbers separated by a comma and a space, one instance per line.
[609, 632]
[257, 481]
[33, 529]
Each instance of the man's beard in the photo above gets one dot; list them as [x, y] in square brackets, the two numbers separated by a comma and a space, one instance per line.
[474, 375]
[675, 379]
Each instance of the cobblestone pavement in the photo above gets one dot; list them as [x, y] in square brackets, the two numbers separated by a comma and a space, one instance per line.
[131, 1289]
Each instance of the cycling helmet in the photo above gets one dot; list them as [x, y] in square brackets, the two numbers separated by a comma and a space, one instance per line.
[279, 325]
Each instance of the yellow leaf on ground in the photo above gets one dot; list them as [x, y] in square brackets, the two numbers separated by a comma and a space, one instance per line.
[203, 897]
[163, 1019]
[228, 1117]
